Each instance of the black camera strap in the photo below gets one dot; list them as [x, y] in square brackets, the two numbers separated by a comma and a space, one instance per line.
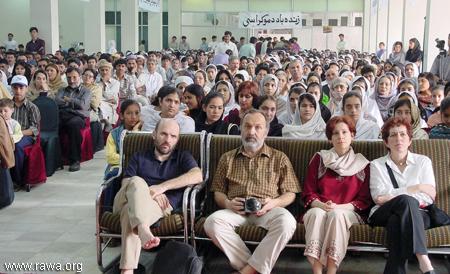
[391, 175]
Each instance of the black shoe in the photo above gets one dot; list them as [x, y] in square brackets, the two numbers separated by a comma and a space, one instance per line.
[74, 166]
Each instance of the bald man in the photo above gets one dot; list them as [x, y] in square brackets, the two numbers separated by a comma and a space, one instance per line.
[152, 187]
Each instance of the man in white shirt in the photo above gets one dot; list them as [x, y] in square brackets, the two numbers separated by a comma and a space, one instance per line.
[10, 44]
[222, 47]
[151, 80]
[265, 45]
[110, 88]
[341, 44]
[184, 45]
[213, 44]
[169, 106]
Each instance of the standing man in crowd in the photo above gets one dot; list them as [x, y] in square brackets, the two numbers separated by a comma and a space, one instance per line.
[36, 44]
[248, 50]
[10, 44]
[184, 45]
[441, 64]
[341, 44]
[226, 44]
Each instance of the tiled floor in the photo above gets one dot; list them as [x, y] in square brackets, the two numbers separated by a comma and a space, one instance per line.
[55, 222]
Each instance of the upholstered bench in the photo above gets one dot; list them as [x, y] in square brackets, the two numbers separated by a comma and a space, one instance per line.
[362, 237]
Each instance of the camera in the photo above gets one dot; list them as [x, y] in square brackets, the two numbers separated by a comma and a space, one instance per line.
[251, 205]
[440, 44]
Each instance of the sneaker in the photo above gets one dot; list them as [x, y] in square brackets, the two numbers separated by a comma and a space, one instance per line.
[74, 166]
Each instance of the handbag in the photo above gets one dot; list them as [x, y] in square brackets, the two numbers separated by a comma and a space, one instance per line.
[437, 216]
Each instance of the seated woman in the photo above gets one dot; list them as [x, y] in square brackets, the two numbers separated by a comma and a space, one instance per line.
[369, 106]
[130, 112]
[88, 77]
[384, 92]
[211, 116]
[308, 123]
[338, 87]
[287, 116]
[240, 77]
[442, 130]
[193, 96]
[406, 109]
[39, 83]
[200, 79]
[336, 194]
[408, 87]
[401, 183]
[224, 75]
[226, 89]
[316, 90]
[352, 106]
[268, 105]
[246, 96]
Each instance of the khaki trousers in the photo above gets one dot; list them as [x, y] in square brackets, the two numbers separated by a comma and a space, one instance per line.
[136, 206]
[327, 233]
[220, 227]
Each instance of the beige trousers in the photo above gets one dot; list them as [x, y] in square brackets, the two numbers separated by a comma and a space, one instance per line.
[327, 233]
[136, 206]
[220, 227]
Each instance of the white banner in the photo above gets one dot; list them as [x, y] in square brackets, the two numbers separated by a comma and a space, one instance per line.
[150, 5]
[270, 20]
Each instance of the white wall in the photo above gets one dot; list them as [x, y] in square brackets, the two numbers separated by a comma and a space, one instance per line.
[15, 18]
[71, 22]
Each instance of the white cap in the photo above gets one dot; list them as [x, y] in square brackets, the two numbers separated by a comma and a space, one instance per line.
[19, 80]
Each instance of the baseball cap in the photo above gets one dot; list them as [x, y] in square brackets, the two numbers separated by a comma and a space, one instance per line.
[19, 80]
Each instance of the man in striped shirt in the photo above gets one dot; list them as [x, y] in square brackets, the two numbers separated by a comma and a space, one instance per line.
[28, 116]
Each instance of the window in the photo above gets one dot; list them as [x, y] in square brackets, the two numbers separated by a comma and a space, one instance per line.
[110, 18]
[317, 22]
[344, 21]
[304, 22]
[358, 21]
[332, 22]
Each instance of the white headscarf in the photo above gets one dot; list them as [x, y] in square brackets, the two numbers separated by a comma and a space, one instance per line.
[313, 129]
[267, 78]
[366, 129]
[335, 104]
[231, 104]
[383, 102]
[369, 107]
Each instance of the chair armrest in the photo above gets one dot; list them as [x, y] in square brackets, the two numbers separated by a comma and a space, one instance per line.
[194, 192]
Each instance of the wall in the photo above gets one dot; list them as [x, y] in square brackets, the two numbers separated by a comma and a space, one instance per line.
[71, 22]
[15, 18]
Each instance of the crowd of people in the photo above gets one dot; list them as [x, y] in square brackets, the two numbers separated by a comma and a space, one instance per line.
[261, 88]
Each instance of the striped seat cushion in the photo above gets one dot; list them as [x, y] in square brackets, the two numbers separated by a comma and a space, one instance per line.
[436, 237]
[360, 234]
[170, 225]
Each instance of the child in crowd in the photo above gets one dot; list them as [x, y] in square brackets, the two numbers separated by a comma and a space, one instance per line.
[437, 95]
[6, 110]
[442, 130]
[130, 116]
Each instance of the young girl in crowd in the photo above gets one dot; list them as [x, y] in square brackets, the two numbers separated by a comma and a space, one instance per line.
[226, 89]
[193, 96]
[442, 130]
[437, 95]
[407, 110]
[352, 105]
[130, 116]
[268, 104]
[38, 84]
[308, 122]
[211, 116]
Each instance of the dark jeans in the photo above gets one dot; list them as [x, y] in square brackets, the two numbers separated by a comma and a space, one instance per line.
[18, 171]
[405, 225]
[72, 125]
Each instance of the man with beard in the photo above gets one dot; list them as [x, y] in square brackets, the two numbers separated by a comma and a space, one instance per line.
[152, 188]
[74, 103]
[259, 171]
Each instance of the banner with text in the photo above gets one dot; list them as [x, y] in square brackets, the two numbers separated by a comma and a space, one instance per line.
[150, 5]
[270, 20]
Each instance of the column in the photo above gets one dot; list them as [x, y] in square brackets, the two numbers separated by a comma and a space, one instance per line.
[366, 25]
[395, 24]
[130, 28]
[94, 26]
[435, 27]
[44, 15]
[174, 14]
[155, 30]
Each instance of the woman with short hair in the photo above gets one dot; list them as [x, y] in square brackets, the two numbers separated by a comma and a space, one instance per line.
[401, 183]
